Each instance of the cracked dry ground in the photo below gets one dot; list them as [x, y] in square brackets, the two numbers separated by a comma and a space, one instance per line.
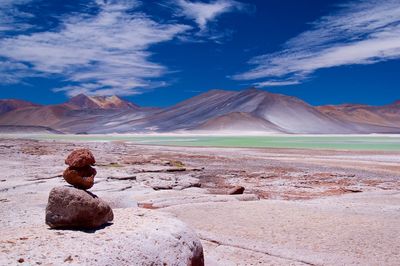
[303, 191]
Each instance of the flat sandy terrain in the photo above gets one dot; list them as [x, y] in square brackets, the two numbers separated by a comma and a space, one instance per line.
[300, 207]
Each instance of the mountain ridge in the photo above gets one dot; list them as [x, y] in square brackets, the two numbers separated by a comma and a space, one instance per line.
[7, 105]
[100, 102]
[216, 110]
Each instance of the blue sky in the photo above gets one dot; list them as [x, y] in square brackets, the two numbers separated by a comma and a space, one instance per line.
[157, 53]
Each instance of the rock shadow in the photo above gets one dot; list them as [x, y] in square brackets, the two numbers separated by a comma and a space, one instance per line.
[82, 229]
[88, 192]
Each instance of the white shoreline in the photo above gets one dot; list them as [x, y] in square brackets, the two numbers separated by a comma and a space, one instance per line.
[188, 134]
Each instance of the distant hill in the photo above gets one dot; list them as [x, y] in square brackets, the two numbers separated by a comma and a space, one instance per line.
[81, 114]
[8, 105]
[27, 130]
[213, 111]
[387, 115]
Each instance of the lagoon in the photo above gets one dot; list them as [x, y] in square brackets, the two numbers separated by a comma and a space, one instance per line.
[331, 142]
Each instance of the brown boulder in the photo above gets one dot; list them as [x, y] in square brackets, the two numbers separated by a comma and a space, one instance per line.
[82, 178]
[69, 207]
[80, 158]
[236, 190]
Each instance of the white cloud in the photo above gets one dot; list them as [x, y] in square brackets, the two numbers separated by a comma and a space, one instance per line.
[8, 70]
[103, 53]
[11, 18]
[362, 32]
[202, 13]
[271, 83]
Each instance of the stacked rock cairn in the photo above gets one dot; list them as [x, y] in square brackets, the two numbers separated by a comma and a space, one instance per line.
[80, 172]
[75, 207]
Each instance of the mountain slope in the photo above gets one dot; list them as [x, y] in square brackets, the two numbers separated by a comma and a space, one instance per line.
[216, 111]
[80, 114]
[239, 122]
[27, 130]
[8, 105]
[289, 114]
[386, 116]
[47, 116]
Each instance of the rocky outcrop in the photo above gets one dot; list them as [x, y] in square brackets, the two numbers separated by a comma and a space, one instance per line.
[75, 208]
[137, 237]
[161, 181]
[236, 190]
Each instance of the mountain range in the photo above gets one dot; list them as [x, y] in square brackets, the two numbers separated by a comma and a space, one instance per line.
[216, 111]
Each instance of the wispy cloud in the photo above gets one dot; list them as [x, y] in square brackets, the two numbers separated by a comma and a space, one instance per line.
[106, 53]
[202, 13]
[10, 71]
[11, 17]
[360, 32]
[275, 83]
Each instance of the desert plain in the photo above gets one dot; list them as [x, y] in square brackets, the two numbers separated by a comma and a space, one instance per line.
[300, 206]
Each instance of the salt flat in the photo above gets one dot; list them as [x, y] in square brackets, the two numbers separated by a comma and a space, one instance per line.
[300, 206]
[347, 230]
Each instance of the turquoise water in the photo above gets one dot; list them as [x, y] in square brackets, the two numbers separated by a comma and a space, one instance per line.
[379, 142]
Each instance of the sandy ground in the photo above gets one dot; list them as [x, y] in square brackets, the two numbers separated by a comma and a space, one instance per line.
[358, 229]
[299, 207]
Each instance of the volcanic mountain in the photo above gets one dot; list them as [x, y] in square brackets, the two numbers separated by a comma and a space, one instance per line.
[250, 110]
[82, 101]
[277, 113]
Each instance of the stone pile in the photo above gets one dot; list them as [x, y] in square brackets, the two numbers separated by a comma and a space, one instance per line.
[74, 207]
[80, 172]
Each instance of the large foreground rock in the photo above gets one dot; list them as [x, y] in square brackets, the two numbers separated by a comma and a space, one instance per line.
[74, 208]
[137, 237]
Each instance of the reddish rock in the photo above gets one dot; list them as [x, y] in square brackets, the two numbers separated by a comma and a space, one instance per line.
[82, 178]
[69, 207]
[80, 158]
[236, 190]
